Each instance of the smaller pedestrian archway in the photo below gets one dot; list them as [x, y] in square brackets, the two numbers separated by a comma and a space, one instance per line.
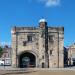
[27, 60]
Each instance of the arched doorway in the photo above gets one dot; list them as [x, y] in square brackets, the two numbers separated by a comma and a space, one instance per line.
[27, 60]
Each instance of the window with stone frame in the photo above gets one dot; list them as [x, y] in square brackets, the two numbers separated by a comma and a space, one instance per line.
[50, 37]
[43, 57]
[29, 38]
[36, 43]
[51, 52]
[24, 43]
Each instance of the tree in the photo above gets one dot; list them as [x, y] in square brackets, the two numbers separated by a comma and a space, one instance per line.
[1, 51]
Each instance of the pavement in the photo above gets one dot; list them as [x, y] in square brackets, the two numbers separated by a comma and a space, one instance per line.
[7, 70]
[38, 72]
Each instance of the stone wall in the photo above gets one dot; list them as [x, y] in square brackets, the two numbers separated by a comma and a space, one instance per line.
[37, 46]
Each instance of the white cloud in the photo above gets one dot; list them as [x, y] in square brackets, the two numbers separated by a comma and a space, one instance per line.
[50, 3]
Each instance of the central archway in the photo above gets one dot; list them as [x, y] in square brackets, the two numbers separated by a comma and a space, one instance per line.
[27, 60]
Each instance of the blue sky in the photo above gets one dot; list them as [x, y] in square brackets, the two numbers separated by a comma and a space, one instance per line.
[28, 13]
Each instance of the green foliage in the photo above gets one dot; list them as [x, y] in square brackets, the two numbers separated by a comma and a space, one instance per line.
[1, 51]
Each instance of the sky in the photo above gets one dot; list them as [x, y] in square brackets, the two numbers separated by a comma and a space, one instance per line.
[29, 12]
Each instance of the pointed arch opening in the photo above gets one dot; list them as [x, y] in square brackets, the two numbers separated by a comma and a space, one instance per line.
[27, 60]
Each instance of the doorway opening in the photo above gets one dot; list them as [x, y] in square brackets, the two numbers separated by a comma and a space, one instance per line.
[27, 60]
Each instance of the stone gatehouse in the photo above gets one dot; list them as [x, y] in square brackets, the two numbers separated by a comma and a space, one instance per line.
[40, 47]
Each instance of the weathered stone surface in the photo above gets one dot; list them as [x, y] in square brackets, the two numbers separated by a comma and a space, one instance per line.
[37, 45]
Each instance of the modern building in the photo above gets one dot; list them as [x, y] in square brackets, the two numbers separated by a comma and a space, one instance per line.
[41, 47]
[6, 56]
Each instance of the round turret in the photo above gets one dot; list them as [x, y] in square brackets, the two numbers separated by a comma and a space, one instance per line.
[42, 23]
[42, 20]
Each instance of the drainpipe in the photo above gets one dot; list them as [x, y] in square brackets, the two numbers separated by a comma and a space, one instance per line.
[16, 46]
[58, 48]
[46, 46]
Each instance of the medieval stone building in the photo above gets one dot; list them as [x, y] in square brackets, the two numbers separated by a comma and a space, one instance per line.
[40, 47]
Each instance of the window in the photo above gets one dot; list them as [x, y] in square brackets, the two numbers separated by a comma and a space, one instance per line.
[24, 43]
[29, 38]
[43, 57]
[50, 38]
[43, 45]
[8, 55]
[37, 43]
[50, 52]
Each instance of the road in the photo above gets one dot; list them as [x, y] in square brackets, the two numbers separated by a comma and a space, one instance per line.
[29, 71]
[39, 72]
